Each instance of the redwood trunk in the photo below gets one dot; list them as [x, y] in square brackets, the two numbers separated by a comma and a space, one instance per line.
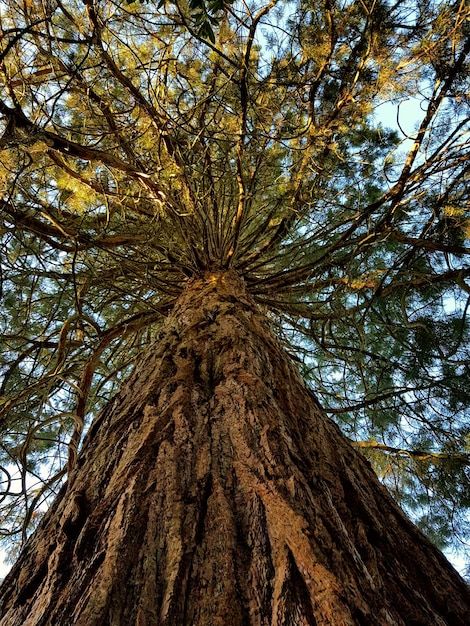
[212, 490]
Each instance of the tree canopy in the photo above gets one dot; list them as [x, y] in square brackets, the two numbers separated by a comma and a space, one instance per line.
[139, 148]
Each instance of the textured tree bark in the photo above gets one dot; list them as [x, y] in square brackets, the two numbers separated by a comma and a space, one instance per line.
[212, 490]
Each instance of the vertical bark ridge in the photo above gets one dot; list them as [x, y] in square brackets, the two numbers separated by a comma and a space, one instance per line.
[212, 490]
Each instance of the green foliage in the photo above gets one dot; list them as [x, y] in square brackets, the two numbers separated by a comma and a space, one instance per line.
[143, 143]
[205, 15]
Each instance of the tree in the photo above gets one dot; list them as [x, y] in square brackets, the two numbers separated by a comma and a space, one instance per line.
[170, 201]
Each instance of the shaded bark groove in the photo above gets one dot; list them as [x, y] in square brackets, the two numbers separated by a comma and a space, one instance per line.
[212, 490]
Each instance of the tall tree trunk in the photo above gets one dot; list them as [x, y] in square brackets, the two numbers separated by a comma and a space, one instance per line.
[212, 490]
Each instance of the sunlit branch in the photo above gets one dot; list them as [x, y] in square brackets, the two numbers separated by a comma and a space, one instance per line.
[419, 455]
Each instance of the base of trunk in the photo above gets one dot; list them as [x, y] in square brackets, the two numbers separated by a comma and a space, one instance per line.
[212, 490]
